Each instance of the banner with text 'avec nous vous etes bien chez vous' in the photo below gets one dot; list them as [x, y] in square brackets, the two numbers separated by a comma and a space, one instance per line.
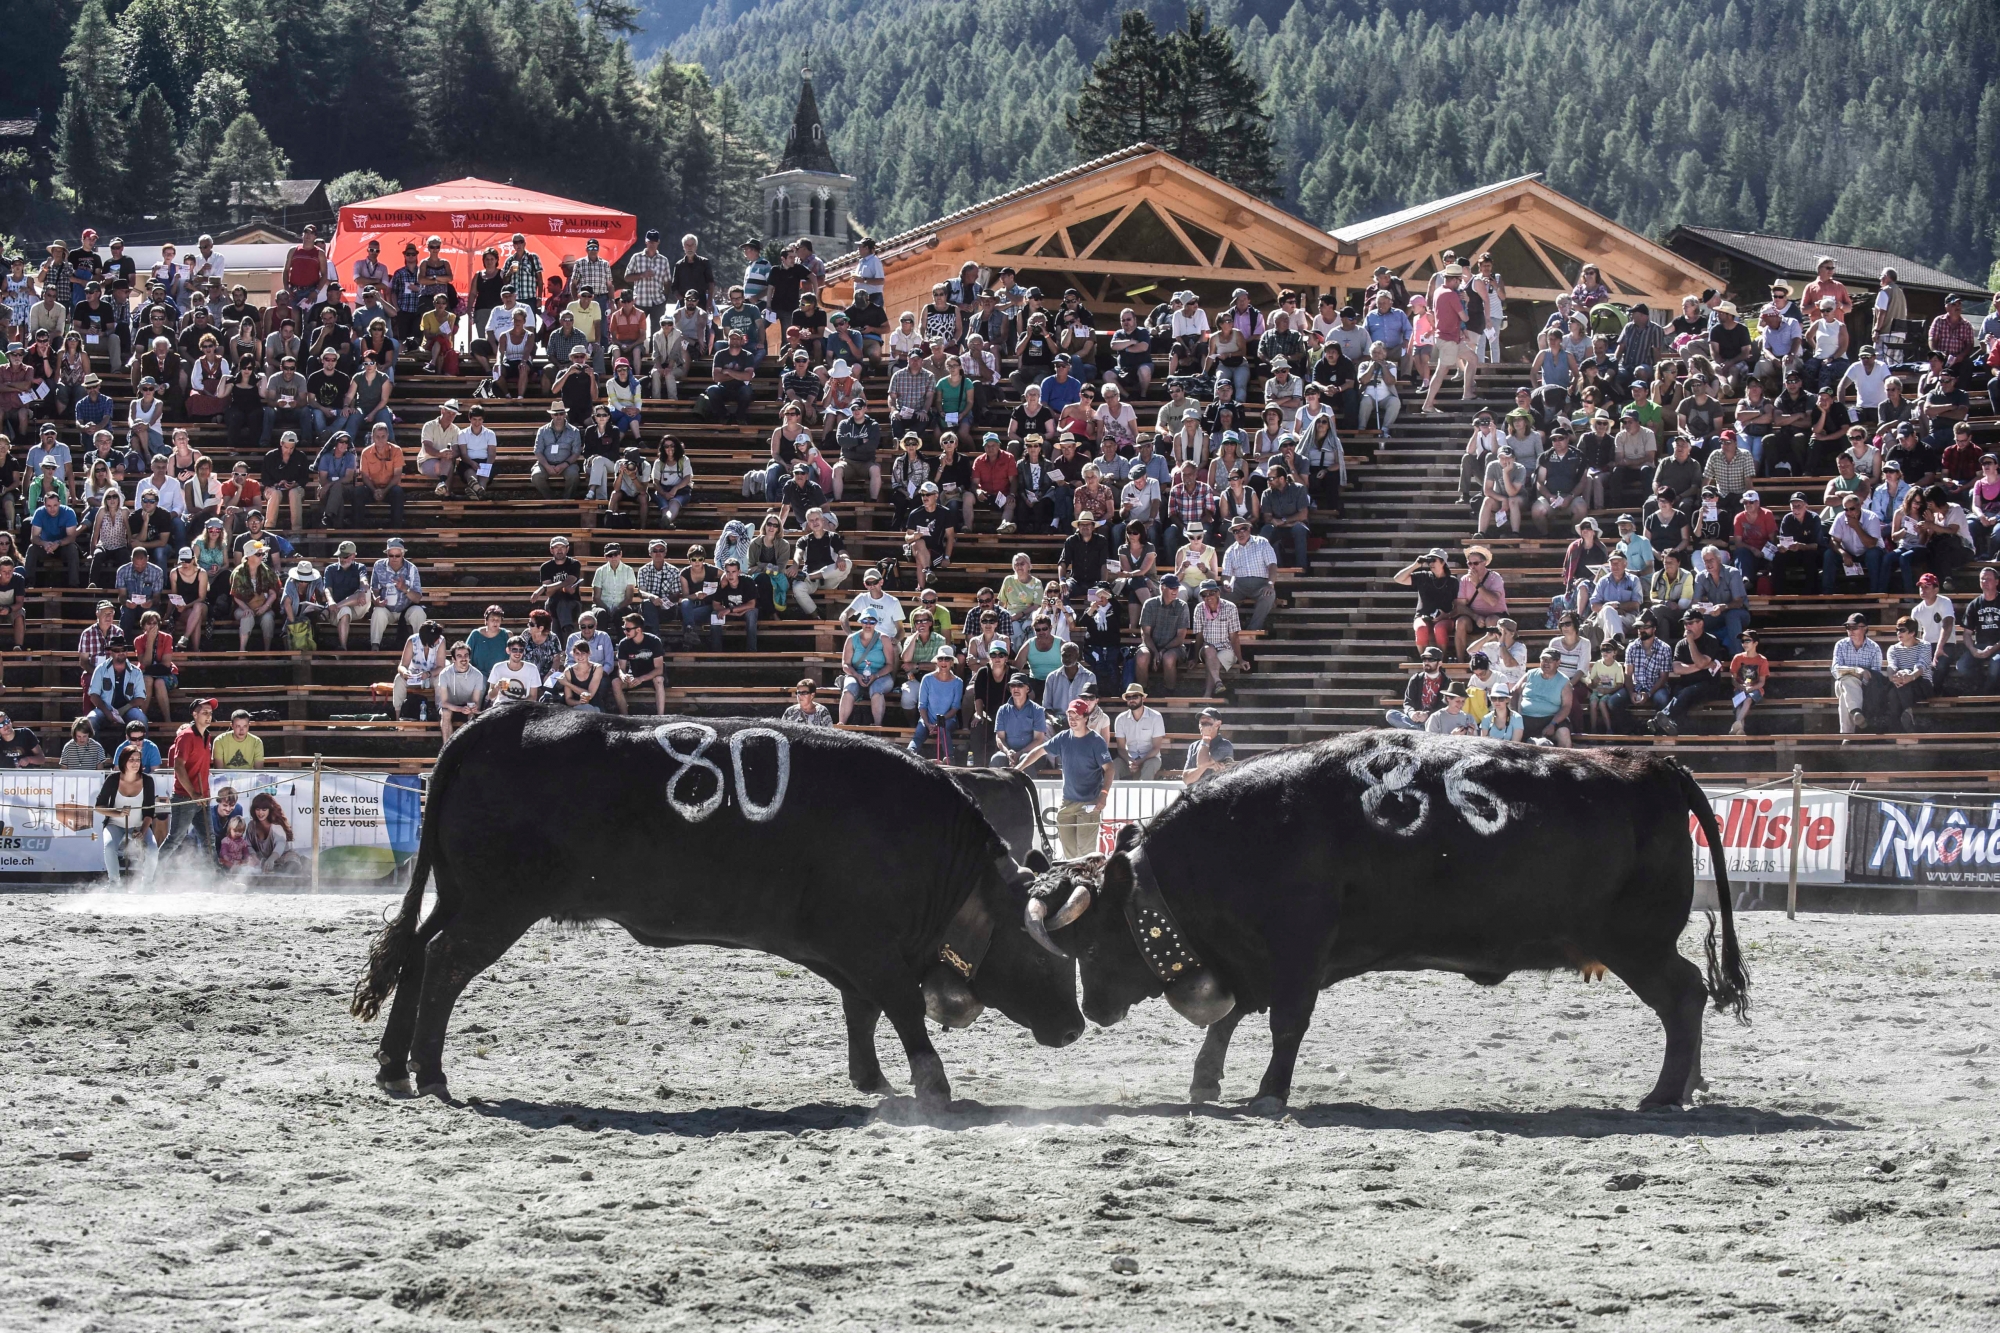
[367, 826]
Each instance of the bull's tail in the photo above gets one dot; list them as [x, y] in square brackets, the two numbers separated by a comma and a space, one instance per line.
[1728, 983]
[1042, 839]
[392, 947]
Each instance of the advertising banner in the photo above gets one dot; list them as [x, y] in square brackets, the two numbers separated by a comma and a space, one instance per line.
[367, 825]
[1925, 841]
[1757, 834]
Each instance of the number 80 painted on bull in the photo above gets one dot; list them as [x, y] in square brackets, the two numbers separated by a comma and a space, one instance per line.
[697, 758]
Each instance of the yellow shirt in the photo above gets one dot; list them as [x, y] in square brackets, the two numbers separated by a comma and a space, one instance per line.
[230, 752]
[588, 314]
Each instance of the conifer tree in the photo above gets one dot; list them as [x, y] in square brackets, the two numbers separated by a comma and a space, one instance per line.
[1121, 103]
[90, 134]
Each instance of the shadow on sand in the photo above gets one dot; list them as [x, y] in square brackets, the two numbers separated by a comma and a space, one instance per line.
[1585, 1122]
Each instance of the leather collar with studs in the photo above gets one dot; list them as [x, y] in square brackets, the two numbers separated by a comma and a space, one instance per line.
[968, 937]
[1161, 943]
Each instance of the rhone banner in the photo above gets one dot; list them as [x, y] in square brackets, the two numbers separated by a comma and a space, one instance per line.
[1925, 840]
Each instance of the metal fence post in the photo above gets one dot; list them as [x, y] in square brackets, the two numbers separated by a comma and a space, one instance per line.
[1792, 884]
[315, 819]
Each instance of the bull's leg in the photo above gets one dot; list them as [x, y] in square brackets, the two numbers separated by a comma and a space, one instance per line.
[460, 952]
[1672, 987]
[1207, 1085]
[863, 1069]
[905, 1011]
[393, 1055]
[1291, 1014]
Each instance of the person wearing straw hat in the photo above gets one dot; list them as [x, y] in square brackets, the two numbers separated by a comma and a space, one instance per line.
[1482, 597]
[305, 601]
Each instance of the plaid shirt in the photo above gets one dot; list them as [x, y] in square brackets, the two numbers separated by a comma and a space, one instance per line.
[1951, 336]
[1190, 504]
[61, 278]
[592, 273]
[1640, 345]
[1216, 626]
[648, 275]
[1731, 476]
[524, 271]
[90, 644]
[1868, 656]
[663, 583]
[408, 290]
[910, 392]
[1647, 662]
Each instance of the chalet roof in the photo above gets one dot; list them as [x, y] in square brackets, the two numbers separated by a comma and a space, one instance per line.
[19, 129]
[1852, 263]
[1354, 232]
[885, 244]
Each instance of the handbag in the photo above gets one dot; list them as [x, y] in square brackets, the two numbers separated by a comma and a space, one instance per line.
[300, 635]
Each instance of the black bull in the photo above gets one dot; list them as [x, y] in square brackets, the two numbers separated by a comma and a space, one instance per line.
[1391, 851]
[844, 855]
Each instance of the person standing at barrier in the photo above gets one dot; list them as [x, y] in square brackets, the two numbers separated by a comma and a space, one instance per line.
[126, 802]
[1087, 774]
[191, 753]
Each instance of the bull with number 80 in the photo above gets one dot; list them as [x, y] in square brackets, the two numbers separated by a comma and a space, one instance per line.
[844, 855]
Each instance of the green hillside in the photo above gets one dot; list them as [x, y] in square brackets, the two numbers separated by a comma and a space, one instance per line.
[1873, 122]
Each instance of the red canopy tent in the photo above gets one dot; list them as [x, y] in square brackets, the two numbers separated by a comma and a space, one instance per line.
[471, 214]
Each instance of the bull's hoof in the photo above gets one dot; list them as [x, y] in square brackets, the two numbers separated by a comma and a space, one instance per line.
[395, 1086]
[1266, 1105]
[877, 1084]
[1656, 1102]
[1202, 1093]
[438, 1089]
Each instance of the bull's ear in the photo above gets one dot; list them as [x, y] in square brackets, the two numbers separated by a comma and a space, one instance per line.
[1128, 837]
[1035, 861]
[1117, 877]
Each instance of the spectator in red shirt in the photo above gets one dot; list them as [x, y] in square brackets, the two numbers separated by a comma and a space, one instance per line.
[1756, 538]
[993, 480]
[190, 756]
[1454, 347]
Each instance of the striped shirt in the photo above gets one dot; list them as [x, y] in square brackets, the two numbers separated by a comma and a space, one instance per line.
[1916, 657]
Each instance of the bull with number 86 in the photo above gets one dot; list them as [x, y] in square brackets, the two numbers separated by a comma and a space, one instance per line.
[846, 856]
[1392, 851]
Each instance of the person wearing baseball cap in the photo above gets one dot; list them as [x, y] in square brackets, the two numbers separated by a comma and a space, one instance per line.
[1088, 772]
[1017, 724]
[190, 754]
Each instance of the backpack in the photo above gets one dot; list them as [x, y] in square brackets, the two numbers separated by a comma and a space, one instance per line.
[300, 635]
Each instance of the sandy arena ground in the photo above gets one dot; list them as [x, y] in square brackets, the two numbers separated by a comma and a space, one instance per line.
[192, 1140]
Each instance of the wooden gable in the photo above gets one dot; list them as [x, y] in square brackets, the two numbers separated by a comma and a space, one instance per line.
[1539, 240]
[1127, 228]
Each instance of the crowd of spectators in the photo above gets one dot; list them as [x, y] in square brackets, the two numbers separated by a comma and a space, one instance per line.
[1681, 421]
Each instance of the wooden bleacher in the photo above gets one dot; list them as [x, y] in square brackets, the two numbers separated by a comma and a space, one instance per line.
[1335, 655]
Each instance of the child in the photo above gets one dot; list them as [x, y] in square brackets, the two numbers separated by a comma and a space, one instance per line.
[1751, 671]
[234, 850]
[1605, 677]
[225, 809]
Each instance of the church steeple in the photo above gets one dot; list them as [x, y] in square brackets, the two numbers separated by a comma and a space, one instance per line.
[806, 147]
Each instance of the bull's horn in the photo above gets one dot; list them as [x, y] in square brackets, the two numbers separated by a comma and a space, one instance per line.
[948, 1000]
[1037, 923]
[1078, 904]
[1200, 999]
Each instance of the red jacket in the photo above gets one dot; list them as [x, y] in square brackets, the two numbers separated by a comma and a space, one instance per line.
[994, 475]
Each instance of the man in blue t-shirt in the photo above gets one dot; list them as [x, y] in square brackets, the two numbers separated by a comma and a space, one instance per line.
[54, 536]
[1018, 724]
[1085, 760]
